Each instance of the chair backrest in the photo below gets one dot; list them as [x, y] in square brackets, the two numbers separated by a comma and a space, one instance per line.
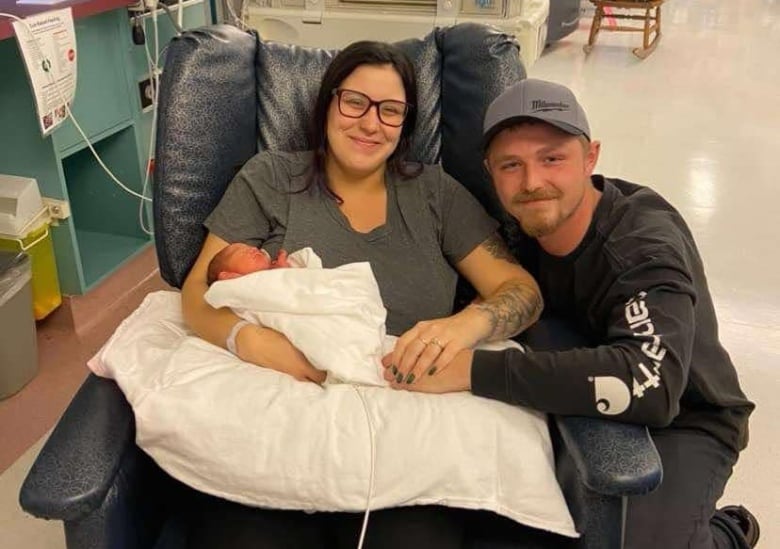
[225, 94]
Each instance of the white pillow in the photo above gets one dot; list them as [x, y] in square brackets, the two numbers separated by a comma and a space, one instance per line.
[258, 437]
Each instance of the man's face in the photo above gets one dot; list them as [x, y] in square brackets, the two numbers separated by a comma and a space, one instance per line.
[540, 174]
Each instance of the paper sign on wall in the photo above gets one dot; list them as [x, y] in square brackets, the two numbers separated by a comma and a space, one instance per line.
[48, 46]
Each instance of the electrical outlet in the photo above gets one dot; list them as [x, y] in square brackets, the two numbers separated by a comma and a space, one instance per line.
[146, 91]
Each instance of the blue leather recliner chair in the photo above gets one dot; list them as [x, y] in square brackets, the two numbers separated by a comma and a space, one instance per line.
[224, 96]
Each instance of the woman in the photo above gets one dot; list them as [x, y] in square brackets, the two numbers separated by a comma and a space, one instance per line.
[354, 198]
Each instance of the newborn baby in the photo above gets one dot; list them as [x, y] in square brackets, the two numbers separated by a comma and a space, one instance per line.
[240, 259]
[335, 316]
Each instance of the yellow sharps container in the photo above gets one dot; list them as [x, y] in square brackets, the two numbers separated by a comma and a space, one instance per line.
[24, 229]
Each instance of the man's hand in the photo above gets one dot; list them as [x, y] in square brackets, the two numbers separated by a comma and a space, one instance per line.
[455, 378]
[271, 349]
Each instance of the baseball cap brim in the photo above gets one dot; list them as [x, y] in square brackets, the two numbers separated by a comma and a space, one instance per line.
[504, 124]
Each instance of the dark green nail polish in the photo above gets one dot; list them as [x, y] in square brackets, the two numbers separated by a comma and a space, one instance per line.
[394, 369]
[432, 371]
[399, 378]
[409, 379]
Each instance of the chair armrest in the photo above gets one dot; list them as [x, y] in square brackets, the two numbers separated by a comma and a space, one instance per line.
[76, 467]
[613, 459]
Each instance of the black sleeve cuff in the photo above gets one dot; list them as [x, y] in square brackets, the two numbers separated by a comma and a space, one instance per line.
[489, 375]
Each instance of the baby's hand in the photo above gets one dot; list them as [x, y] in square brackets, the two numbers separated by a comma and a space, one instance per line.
[281, 261]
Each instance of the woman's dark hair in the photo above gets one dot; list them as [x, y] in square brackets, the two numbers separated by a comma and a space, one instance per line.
[346, 61]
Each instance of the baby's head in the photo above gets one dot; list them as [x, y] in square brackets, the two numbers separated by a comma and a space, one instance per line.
[236, 260]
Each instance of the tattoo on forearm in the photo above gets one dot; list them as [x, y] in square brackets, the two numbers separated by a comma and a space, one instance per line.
[512, 309]
[498, 249]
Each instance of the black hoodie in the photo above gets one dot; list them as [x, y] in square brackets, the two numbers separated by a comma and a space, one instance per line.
[635, 288]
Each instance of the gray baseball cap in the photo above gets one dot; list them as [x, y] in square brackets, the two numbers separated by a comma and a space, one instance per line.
[537, 99]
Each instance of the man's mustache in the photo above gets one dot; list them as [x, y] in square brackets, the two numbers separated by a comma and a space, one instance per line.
[541, 194]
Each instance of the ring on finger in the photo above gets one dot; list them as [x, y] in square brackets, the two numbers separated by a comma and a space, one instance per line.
[435, 341]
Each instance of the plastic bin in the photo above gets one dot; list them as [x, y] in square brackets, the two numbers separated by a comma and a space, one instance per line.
[24, 227]
[37, 243]
[18, 344]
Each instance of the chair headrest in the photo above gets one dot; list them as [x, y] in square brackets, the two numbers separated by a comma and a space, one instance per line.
[288, 78]
[225, 94]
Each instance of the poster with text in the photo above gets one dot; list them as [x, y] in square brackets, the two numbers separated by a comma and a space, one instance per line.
[47, 42]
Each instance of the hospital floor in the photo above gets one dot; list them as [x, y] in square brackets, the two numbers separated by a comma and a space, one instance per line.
[698, 120]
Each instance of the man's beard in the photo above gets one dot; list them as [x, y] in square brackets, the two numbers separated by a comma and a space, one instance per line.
[538, 230]
[538, 226]
[541, 226]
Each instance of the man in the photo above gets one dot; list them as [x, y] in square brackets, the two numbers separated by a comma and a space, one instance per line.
[617, 262]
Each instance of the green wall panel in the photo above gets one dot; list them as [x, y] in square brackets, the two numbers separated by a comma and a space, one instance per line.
[102, 98]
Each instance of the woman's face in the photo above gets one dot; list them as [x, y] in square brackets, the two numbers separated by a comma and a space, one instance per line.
[361, 146]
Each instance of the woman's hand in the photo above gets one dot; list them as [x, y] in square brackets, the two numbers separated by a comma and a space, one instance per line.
[456, 377]
[430, 346]
[271, 349]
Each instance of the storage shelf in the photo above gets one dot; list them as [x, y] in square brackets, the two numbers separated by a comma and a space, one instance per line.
[81, 145]
[101, 253]
[105, 218]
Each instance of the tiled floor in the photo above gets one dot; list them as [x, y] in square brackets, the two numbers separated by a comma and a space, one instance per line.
[19, 530]
[698, 120]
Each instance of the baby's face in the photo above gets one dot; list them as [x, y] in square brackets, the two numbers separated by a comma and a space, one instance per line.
[244, 259]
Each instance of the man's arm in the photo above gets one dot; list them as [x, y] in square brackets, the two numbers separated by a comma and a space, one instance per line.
[637, 374]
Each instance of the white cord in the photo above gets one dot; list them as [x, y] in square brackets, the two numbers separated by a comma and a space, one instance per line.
[156, 39]
[373, 467]
[153, 65]
[154, 81]
[61, 97]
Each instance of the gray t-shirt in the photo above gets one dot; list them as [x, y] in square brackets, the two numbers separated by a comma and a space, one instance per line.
[432, 223]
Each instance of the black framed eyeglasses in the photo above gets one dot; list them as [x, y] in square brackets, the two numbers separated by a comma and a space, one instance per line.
[354, 104]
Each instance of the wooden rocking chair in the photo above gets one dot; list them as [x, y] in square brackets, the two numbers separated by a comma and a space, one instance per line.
[652, 22]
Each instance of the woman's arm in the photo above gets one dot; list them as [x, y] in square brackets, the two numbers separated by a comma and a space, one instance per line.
[255, 344]
[511, 302]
